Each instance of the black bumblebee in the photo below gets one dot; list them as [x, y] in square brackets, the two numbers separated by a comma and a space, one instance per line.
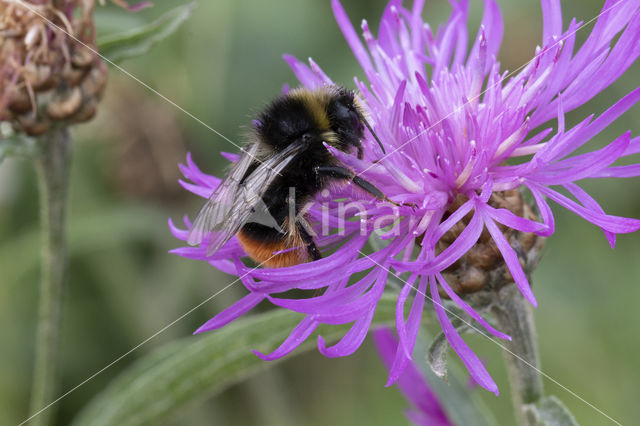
[254, 200]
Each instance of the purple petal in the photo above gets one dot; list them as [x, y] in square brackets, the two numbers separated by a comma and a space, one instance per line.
[460, 246]
[229, 156]
[619, 172]
[545, 212]
[345, 313]
[509, 219]
[615, 224]
[582, 166]
[350, 35]
[511, 259]
[234, 311]
[351, 341]
[493, 27]
[199, 175]
[326, 302]
[552, 20]
[198, 190]
[299, 334]
[325, 265]
[303, 73]
[470, 360]
[634, 147]
[180, 234]
[402, 298]
[225, 266]
[455, 217]
[412, 383]
[455, 251]
[468, 309]
[408, 333]
[590, 203]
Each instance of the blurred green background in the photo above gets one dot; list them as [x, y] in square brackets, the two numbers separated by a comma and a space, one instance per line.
[223, 65]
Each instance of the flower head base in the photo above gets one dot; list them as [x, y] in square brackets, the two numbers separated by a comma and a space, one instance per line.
[449, 151]
[482, 268]
[49, 71]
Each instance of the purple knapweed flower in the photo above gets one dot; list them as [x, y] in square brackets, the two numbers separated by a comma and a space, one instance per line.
[448, 145]
[428, 411]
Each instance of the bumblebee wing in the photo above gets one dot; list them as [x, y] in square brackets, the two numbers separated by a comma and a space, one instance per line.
[221, 200]
[246, 203]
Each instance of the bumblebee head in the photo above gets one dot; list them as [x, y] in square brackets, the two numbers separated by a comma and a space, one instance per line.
[330, 114]
[344, 116]
[348, 120]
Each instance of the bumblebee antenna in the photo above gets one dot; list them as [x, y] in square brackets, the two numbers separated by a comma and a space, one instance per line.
[366, 123]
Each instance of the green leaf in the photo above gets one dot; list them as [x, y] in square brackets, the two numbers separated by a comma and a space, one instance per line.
[162, 382]
[138, 41]
[550, 411]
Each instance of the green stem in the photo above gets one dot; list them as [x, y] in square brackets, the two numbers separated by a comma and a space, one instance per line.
[52, 163]
[515, 317]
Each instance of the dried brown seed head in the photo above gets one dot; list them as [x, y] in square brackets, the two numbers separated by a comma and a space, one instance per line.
[49, 67]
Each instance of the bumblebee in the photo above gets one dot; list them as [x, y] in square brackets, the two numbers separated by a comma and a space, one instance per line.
[285, 156]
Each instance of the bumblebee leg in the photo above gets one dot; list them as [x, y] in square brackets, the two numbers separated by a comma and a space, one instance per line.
[307, 239]
[359, 150]
[344, 173]
[312, 250]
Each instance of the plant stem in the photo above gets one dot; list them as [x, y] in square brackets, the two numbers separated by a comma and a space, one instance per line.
[515, 317]
[52, 163]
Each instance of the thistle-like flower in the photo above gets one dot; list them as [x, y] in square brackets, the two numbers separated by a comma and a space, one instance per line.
[463, 138]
